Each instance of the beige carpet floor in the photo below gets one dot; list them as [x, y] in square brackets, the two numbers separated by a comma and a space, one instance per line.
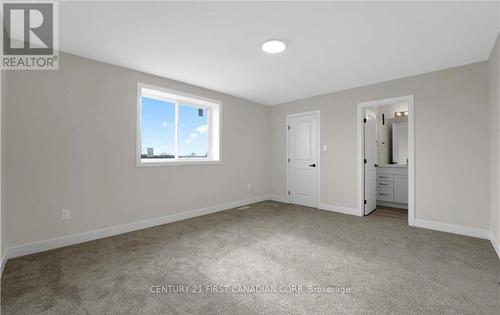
[266, 260]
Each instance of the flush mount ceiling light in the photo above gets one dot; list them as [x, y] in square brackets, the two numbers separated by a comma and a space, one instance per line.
[273, 46]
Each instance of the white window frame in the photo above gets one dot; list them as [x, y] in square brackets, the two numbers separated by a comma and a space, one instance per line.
[214, 125]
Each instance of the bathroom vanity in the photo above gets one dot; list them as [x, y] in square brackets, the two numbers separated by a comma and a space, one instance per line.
[392, 185]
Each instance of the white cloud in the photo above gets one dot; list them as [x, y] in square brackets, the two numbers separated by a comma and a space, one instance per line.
[193, 135]
[188, 141]
[164, 124]
[202, 129]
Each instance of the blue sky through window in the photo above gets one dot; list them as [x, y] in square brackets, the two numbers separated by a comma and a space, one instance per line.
[158, 126]
[158, 129]
[193, 131]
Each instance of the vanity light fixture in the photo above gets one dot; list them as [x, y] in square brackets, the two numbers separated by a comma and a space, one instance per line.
[400, 114]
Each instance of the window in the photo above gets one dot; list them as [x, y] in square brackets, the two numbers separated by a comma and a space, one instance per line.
[176, 128]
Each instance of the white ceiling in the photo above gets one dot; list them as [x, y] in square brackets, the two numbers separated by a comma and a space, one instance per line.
[331, 45]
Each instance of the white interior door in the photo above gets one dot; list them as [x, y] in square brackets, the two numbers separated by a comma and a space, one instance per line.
[303, 159]
[371, 154]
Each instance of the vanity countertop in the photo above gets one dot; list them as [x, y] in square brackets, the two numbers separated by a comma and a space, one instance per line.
[394, 165]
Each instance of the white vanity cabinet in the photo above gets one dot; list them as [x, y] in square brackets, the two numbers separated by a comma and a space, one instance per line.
[392, 185]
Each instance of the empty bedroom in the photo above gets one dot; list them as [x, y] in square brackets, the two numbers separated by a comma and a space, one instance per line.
[250, 157]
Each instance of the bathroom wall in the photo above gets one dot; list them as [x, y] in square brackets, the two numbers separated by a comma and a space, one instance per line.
[385, 129]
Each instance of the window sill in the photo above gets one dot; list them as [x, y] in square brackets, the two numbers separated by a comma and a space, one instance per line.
[163, 162]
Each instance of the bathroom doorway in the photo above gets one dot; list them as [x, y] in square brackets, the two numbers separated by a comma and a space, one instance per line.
[386, 168]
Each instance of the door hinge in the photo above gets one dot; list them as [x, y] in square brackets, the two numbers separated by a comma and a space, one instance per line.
[288, 127]
[289, 192]
[365, 202]
[288, 160]
[365, 161]
[364, 120]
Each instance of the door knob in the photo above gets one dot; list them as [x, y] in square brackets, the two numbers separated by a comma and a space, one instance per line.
[312, 165]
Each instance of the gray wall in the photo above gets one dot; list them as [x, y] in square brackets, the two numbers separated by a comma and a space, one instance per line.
[494, 69]
[71, 145]
[3, 196]
[451, 130]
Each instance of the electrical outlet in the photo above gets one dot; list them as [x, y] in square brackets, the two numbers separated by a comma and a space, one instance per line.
[249, 186]
[65, 214]
[325, 148]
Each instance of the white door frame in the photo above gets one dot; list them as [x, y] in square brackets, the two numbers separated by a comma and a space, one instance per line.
[318, 116]
[411, 151]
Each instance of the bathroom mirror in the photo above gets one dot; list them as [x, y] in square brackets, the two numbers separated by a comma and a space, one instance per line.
[400, 143]
[392, 134]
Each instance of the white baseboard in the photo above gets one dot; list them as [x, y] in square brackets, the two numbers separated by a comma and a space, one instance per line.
[41, 246]
[277, 198]
[322, 206]
[340, 209]
[455, 229]
[3, 261]
[496, 244]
